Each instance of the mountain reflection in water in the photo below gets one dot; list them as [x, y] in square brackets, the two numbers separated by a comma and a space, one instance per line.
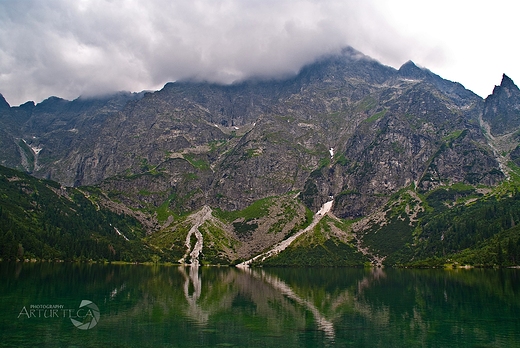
[291, 307]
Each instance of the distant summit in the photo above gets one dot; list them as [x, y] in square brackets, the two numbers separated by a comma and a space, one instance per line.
[502, 107]
[508, 83]
[412, 71]
[3, 103]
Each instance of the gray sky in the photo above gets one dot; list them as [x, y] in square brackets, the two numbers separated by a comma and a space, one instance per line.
[86, 47]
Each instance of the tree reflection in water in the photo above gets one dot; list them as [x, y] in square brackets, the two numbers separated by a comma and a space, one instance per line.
[208, 306]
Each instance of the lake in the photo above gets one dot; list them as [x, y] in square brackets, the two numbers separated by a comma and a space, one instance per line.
[91, 305]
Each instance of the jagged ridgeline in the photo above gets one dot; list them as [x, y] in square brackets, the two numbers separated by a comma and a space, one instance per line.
[406, 168]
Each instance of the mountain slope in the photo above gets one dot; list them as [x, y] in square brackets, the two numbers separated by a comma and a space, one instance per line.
[345, 128]
[40, 219]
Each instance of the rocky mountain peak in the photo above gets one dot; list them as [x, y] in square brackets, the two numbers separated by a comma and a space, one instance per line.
[502, 107]
[506, 89]
[410, 70]
[508, 83]
[455, 91]
[28, 105]
[3, 103]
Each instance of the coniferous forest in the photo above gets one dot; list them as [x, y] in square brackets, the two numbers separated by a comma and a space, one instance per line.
[39, 219]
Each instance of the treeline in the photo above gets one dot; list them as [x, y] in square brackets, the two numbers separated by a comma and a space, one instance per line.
[41, 220]
[457, 226]
[483, 233]
[469, 226]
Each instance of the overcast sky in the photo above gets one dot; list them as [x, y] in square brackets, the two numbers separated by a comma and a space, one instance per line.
[70, 48]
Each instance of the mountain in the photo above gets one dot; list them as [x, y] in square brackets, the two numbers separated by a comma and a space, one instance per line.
[249, 163]
[502, 108]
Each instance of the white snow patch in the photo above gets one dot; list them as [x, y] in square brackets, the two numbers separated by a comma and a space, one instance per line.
[36, 150]
[325, 208]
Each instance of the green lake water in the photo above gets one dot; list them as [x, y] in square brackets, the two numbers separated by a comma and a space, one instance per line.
[159, 306]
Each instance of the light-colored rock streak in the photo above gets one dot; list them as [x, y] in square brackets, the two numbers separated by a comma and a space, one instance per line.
[122, 235]
[36, 151]
[198, 219]
[325, 208]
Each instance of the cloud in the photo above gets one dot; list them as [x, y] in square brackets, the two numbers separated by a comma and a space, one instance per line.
[468, 41]
[88, 47]
[72, 48]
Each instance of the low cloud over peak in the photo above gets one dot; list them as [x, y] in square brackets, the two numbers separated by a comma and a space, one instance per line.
[71, 48]
[65, 48]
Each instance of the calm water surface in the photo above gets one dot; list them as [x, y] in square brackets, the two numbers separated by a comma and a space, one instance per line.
[157, 306]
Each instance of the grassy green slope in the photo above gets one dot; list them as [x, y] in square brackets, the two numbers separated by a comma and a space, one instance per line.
[323, 246]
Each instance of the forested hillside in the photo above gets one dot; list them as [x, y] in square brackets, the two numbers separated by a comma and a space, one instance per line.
[40, 219]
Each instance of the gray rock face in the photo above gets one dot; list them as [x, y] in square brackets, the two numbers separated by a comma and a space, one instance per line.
[502, 108]
[4, 105]
[346, 127]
